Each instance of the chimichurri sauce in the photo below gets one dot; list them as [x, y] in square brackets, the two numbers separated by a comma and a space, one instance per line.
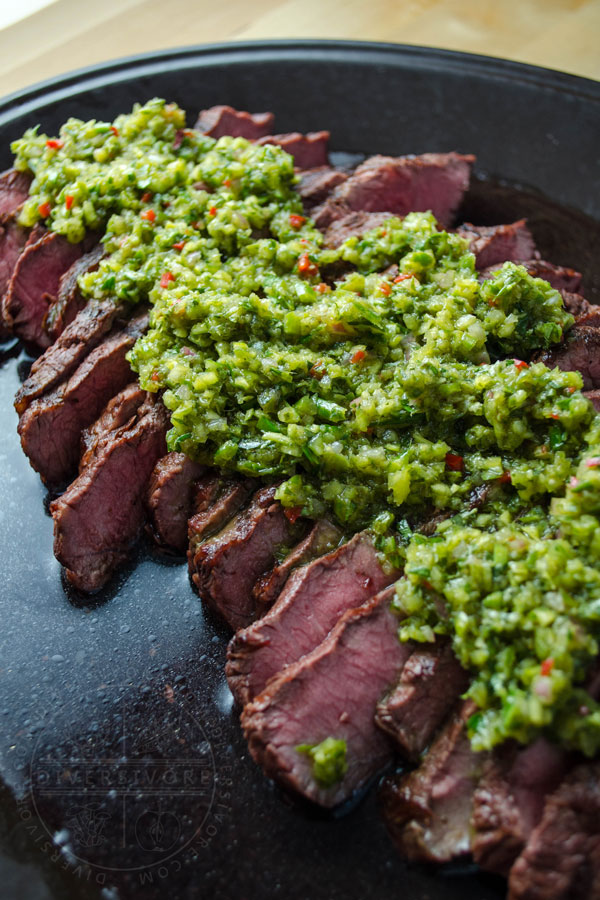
[378, 382]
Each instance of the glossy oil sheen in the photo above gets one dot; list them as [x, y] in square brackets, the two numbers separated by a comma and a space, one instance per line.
[123, 767]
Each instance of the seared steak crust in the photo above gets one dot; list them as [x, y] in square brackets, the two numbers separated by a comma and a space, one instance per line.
[170, 499]
[495, 244]
[331, 692]
[314, 598]
[98, 518]
[14, 190]
[117, 412]
[316, 184]
[309, 150]
[215, 501]
[579, 353]
[69, 299]
[225, 120]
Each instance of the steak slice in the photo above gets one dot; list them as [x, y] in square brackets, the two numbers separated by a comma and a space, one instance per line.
[14, 190]
[576, 304]
[430, 684]
[100, 515]
[170, 499]
[69, 299]
[225, 567]
[354, 224]
[322, 538]
[331, 692]
[225, 120]
[215, 501]
[580, 352]
[428, 812]
[314, 598]
[309, 150]
[433, 181]
[591, 317]
[494, 244]
[117, 412]
[562, 858]
[50, 428]
[509, 800]
[34, 286]
[593, 397]
[13, 239]
[80, 337]
[316, 184]
[560, 277]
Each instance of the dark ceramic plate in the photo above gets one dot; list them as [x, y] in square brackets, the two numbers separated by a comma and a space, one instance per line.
[124, 770]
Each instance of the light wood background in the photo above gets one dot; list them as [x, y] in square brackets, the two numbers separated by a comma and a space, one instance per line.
[69, 34]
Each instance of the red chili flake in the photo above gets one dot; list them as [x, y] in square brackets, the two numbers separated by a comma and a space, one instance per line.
[53, 144]
[68, 201]
[383, 232]
[358, 356]
[212, 211]
[322, 288]
[306, 267]
[570, 390]
[455, 462]
[385, 288]
[179, 245]
[149, 215]
[554, 416]
[297, 221]
[505, 478]
[404, 277]
[44, 209]
[317, 370]
[547, 666]
[147, 197]
[593, 462]
[227, 183]
[166, 279]
[292, 513]
[114, 130]
[154, 376]
[520, 364]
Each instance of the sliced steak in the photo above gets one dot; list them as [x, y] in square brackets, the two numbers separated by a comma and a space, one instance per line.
[494, 244]
[69, 300]
[34, 286]
[225, 567]
[50, 428]
[117, 413]
[593, 397]
[591, 317]
[509, 800]
[224, 120]
[560, 277]
[316, 184]
[309, 150]
[562, 858]
[100, 515]
[580, 352]
[433, 181]
[13, 240]
[58, 362]
[215, 501]
[170, 499]
[430, 684]
[14, 190]
[576, 304]
[322, 538]
[314, 598]
[428, 812]
[354, 224]
[331, 692]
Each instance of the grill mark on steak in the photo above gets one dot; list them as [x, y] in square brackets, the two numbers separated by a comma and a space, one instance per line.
[170, 499]
[50, 428]
[225, 567]
[435, 181]
[331, 692]
[314, 598]
[430, 684]
[428, 812]
[316, 184]
[34, 286]
[118, 412]
[218, 121]
[215, 501]
[580, 352]
[322, 538]
[84, 333]
[509, 800]
[100, 515]
[14, 190]
[495, 244]
[562, 858]
[69, 300]
[309, 150]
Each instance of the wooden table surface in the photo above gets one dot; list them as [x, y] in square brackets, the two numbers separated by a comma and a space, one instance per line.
[69, 34]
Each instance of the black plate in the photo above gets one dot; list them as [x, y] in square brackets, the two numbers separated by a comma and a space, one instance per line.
[124, 769]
